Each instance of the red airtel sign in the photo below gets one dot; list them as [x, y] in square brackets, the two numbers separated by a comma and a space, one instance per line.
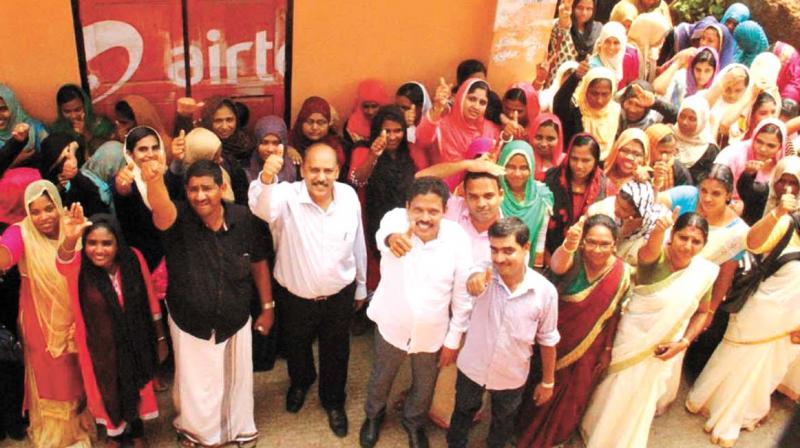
[236, 49]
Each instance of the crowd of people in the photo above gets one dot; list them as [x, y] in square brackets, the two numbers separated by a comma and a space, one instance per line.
[571, 247]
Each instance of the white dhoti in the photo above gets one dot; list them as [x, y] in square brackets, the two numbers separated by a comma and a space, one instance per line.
[213, 390]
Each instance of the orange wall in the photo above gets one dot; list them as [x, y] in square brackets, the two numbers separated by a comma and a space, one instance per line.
[39, 53]
[337, 44]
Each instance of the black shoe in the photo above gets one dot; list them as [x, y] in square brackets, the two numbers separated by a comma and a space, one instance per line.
[370, 430]
[295, 398]
[416, 437]
[337, 420]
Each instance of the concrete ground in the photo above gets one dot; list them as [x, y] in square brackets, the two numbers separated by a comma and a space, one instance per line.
[309, 428]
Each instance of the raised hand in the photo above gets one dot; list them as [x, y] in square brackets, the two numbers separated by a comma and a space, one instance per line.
[154, 169]
[788, 202]
[486, 164]
[379, 145]
[294, 156]
[79, 125]
[188, 106]
[125, 175]
[661, 172]
[179, 146]
[20, 132]
[400, 243]
[583, 69]
[272, 165]
[411, 115]
[479, 281]
[667, 221]
[753, 166]
[441, 96]
[685, 56]
[574, 235]
[74, 222]
[643, 97]
[542, 71]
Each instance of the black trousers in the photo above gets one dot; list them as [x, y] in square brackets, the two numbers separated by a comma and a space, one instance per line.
[505, 404]
[302, 321]
[12, 375]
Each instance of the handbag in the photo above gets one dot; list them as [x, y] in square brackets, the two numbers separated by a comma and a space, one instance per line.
[10, 347]
[754, 269]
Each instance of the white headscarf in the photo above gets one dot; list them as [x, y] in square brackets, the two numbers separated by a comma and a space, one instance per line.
[691, 147]
[603, 123]
[546, 96]
[647, 33]
[787, 165]
[141, 186]
[721, 106]
[617, 31]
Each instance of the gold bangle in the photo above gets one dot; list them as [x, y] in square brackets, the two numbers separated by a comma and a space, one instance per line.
[268, 306]
[547, 385]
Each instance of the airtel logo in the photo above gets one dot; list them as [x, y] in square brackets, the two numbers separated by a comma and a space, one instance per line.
[107, 34]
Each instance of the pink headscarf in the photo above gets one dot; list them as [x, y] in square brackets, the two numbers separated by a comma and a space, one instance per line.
[558, 150]
[738, 154]
[477, 148]
[12, 200]
[691, 82]
[789, 78]
[531, 101]
[369, 90]
[456, 133]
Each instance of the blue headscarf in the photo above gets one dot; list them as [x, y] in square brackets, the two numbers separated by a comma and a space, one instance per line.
[37, 131]
[727, 45]
[751, 41]
[738, 12]
[102, 166]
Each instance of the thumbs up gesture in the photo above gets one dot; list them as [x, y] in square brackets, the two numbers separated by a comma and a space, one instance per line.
[667, 221]
[378, 145]
[400, 243]
[272, 165]
[788, 202]
[124, 178]
[20, 132]
[187, 106]
[661, 171]
[154, 169]
[442, 95]
[411, 115]
[179, 146]
[574, 234]
[643, 97]
[479, 281]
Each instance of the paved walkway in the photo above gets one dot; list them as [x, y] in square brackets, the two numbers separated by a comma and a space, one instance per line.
[309, 428]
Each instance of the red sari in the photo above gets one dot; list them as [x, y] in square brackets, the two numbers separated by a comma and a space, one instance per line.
[587, 323]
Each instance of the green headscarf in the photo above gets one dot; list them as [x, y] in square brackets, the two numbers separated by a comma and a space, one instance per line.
[100, 127]
[36, 133]
[538, 202]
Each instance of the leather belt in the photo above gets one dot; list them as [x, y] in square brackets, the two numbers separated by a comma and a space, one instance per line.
[319, 299]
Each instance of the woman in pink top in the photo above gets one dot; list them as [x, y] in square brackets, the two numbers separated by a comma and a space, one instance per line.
[450, 132]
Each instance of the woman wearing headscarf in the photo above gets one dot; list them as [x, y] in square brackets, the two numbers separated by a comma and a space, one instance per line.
[119, 333]
[648, 33]
[667, 170]
[751, 40]
[563, 73]
[524, 197]
[691, 72]
[314, 124]
[413, 98]
[758, 155]
[624, 13]
[585, 103]
[728, 88]
[635, 210]
[664, 312]
[136, 110]
[611, 51]
[592, 284]
[695, 144]
[576, 183]
[520, 110]
[630, 152]
[53, 385]
[761, 100]
[789, 78]
[762, 340]
[641, 108]
[547, 139]
[57, 162]
[450, 132]
[270, 132]
[101, 168]
[370, 95]
[219, 116]
[574, 34]
[734, 15]
[76, 118]
[12, 114]
[708, 32]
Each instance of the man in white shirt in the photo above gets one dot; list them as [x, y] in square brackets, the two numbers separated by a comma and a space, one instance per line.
[320, 269]
[514, 308]
[421, 305]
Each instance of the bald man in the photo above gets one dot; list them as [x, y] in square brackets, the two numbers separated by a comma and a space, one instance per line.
[320, 269]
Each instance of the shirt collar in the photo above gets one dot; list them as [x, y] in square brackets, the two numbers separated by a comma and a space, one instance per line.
[227, 222]
[528, 284]
[305, 198]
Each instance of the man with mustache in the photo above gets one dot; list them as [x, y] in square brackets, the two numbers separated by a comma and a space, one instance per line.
[420, 307]
[320, 272]
[215, 255]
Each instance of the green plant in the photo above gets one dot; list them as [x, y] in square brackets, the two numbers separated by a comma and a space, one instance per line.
[694, 10]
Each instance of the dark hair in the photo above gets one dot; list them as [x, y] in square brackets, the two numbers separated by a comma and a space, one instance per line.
[391, 113]
[479, 85]
[428, 184]
[508, 226]
[467, 68]
[624, 195]
[691, 219]
[601, 220]
[472, 175]
[596, 81]
[137, 134]
[203, 168]
[515, 94]
[68, 93]
[720, 173]
[762, 99]
[594, 147]
[628, 92]
[242, 113]
[494, 107]
[772, 130]
[704, 56]
[669, 138]
[789, 108]
[123, 109]
[413, 92]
